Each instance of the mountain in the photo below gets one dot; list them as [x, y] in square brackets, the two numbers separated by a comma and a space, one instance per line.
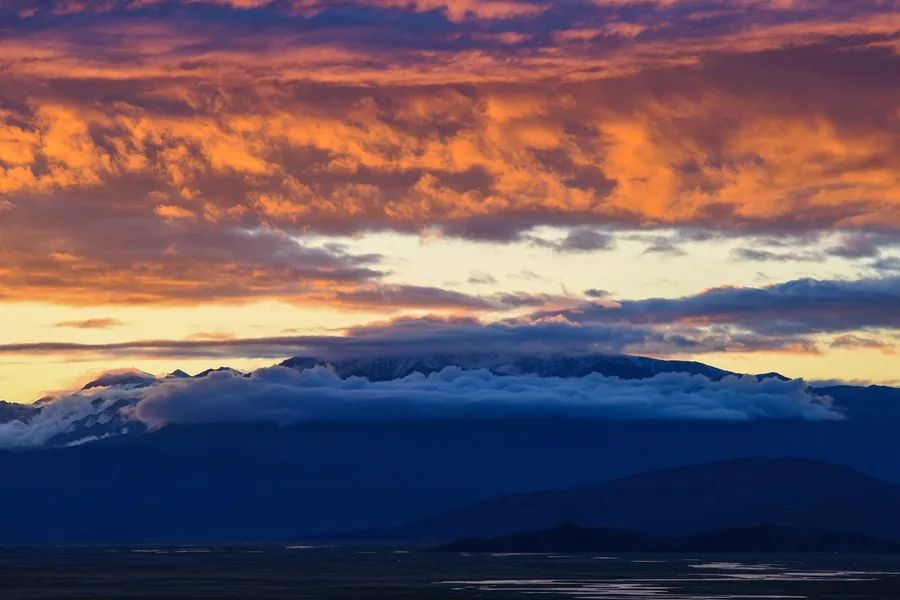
[122, 377]
[873, 401]
[117, 392]
[101, 476]
[756, 539]
[12, 411]
[568, 537]
[790, 492]
[208, 372]
[385, 368]
[258, 482]
[120, 389]
[856, 401]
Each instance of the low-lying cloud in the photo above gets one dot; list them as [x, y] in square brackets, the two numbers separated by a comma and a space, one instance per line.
[283, 395]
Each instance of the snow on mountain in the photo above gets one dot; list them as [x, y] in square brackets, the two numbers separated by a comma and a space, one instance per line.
[301, 388]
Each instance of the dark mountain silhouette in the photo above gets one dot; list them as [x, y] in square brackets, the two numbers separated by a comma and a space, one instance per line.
[568, 537]
[872, 403]
[11, 411]
[755, 539]
[856, 401]
[130, 377]
[787, 492]
[208, 372]
[247, 482]
[864, 402]
[385, 368]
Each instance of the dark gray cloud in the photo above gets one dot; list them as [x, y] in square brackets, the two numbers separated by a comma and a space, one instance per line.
[663, 245]
[400, 296]
[412, 336]
[851, 245]
[415, 296]
[863, 244]
[481, 278]
[579, 239]
[596, 293]
[761, 255]
[802, 306]
[849, 341]
[891, 263]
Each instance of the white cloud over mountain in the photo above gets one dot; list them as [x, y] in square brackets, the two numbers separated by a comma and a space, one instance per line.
[284, 395]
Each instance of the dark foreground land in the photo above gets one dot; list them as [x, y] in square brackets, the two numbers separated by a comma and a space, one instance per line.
[344, 573]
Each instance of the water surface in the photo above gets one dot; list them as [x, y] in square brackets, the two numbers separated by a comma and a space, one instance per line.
[311, 572]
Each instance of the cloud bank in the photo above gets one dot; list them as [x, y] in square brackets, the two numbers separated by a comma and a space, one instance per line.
[280, 394]
[283, 395]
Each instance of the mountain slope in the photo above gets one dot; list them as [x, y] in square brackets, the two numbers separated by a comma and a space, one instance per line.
[11, 411]
[248, 482]
[788, 492]
[864, 402]
[855, 401]
[102, 411]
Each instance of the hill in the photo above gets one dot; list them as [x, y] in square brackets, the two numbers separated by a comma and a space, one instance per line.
[788, 492]
[259, 482]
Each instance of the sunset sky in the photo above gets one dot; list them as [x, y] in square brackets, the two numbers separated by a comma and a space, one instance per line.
[195, 183]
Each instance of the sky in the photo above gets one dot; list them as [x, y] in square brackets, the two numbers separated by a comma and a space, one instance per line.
[192, 183]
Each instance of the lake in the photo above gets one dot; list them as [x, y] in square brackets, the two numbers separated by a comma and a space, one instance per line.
[305, 572]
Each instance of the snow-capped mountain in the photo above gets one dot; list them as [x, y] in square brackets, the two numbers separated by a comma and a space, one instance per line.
[386, 368]
[99, 410]
[12, 411]
[108, 406]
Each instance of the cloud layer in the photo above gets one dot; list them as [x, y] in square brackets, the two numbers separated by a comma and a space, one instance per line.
[283, 395]
[803, 315]
[804, 306]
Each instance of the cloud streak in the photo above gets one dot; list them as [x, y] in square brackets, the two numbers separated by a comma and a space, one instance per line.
[802, 306]
[785, 317]
[100, 323]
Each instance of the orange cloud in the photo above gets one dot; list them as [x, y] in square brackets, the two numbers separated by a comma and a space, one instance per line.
[137, 145]
[170, 211]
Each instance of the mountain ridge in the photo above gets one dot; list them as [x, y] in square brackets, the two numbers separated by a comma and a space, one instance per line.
[255, 482]
[795, 492]
[871, 402]
[624, 366]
